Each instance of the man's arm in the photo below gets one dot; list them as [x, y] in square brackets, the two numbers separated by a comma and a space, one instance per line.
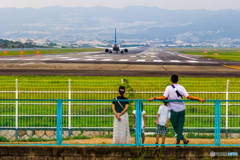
[195, 98]
[158, 98]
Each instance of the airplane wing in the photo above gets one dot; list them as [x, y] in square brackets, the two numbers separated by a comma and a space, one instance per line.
[103, 47]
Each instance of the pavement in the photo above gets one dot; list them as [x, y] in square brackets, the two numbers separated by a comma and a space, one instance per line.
[139, 62]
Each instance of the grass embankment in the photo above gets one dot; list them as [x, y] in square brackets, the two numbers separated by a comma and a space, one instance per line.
[47, 51]
[156, 84]
[232, 54]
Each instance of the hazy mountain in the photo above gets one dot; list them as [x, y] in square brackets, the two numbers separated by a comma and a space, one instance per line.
[135, 22]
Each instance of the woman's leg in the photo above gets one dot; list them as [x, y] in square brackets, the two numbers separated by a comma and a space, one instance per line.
[143, 138]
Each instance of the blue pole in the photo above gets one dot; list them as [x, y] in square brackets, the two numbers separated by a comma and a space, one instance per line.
[59, 128]
[140, 122]
[137, 123]
[219, 123]
[215, 125]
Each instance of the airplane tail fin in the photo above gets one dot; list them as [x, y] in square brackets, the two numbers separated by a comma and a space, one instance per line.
[115, 37]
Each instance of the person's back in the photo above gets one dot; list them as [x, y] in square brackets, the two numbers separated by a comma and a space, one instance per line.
[170, 94]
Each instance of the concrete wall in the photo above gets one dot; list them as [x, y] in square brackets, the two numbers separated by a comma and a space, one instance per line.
[110, 153]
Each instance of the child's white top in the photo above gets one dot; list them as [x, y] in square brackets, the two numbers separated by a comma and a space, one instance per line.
[164, 115]
[143, 112]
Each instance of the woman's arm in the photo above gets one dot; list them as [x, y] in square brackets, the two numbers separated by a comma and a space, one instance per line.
[125, 109]
[114, 111]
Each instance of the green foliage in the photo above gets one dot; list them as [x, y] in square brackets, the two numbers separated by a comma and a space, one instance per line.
[47, 51]
[193, 135]
[3, 139]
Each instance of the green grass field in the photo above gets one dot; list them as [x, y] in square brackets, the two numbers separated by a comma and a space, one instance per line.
[98, 84]
[47, 51]
[232, 54]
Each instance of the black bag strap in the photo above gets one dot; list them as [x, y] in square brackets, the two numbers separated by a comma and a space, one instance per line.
[175, 89]
[119, 103]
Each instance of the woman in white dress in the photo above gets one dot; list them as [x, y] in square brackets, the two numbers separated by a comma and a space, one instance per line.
[121, 132]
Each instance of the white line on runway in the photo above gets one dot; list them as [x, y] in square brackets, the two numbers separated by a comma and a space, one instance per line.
[74, 59]
[45, 59]
[170, 53]
[123, 59]
[89, 59]
[186, 57]
[28, 63]
[142, 56]
[132, 56]
[157, 60]
[9, 59]
[140, 60]
[63, 57]
[106, 59]
[193, 61]
[174, 61]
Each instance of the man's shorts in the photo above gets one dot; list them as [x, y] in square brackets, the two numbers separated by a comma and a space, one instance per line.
[161, 130]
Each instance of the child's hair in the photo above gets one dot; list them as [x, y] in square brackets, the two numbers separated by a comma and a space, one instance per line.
[166, 103]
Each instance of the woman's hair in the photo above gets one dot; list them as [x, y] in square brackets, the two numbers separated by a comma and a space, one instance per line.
[121, 90]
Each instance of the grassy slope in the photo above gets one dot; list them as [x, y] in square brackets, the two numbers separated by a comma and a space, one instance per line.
[47, 51]
[232, 54]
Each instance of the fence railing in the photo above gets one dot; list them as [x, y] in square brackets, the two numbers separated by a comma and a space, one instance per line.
[85, 115]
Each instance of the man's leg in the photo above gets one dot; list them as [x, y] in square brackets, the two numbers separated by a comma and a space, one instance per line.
[180, 125]
[163, 139]
[174, 120]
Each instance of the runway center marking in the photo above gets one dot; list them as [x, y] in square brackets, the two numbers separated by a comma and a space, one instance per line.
[187, 57]
[232, 66]
[132, 56]
[106, 59]
[170, 53]
[123, 59]
[174, 61]
[157, 60]
[73, 59]
[90, 59]
[193, 61]
[141, 60]
[143, 56]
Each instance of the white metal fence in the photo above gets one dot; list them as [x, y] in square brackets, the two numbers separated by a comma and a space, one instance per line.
[87, 115]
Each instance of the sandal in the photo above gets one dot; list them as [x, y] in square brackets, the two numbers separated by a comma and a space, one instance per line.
[178, 142]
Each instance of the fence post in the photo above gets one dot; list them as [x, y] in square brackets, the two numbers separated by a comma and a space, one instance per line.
[69, 108]
[16, 118]
[59, 122]
[137, 124]
[227, 108]
[217, 130]
[122, 81]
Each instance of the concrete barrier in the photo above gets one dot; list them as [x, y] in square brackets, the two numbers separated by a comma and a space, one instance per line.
[116, 153]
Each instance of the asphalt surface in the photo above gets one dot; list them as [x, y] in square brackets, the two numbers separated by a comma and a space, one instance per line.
[151, 62]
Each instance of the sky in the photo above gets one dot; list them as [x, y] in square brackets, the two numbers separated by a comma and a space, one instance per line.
[164, 4]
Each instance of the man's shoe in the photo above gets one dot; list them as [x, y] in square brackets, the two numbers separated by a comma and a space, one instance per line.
[185, 141]
[178, 142]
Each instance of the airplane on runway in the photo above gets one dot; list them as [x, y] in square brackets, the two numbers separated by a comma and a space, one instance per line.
[116, 47]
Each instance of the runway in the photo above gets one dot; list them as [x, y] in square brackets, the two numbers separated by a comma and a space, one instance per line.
[136, 56]
[149, 62]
